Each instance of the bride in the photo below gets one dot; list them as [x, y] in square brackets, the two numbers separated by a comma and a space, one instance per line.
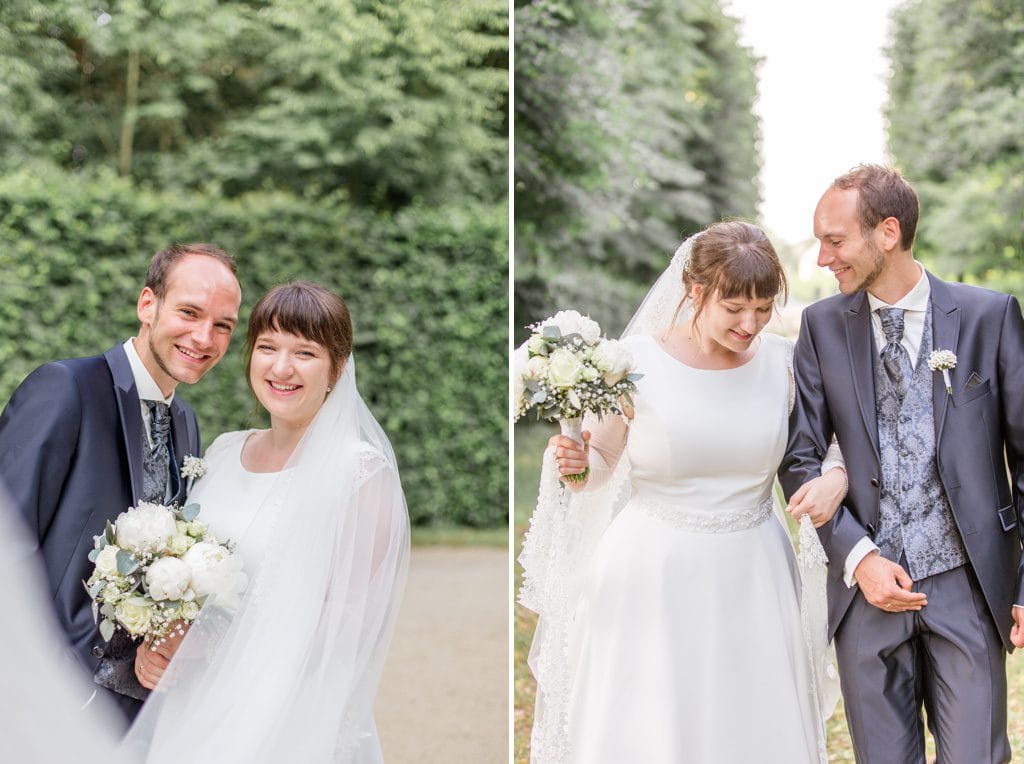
[672, 630]
[317, 511]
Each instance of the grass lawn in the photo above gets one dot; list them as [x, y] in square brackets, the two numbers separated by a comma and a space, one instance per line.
[529, 445]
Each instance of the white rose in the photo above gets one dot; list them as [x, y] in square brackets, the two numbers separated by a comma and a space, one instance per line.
[167, 579]
[590, 373]
[536, 345]
[196, 529]
[106, 561]
[214, 570]
[189, 611]
[180, 543]
[145, 528]
[564, 368]
[134, 614]
[536, 367]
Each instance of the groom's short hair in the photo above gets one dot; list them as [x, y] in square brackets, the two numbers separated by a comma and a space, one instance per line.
[163, 262]
[883, 193]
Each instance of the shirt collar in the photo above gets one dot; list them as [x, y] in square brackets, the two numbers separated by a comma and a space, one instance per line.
[146, 386]
[915, 299]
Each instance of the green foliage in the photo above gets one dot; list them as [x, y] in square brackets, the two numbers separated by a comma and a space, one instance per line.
[955, 108]
[427, 290]
[390, 103]
[634, 128]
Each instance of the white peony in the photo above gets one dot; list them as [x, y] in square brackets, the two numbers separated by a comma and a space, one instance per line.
[613, 359]
[214, 570]
[145, 529]
[168, 579]
[564, 368]
[106, 561]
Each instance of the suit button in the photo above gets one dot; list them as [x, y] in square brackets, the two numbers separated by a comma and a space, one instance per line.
[874, 482]
[97, 652]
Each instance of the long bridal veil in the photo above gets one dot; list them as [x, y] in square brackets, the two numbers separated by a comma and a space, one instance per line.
[290, 674]
[564, 530]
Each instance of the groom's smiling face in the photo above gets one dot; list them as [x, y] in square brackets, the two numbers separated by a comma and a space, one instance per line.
[855, 260]
[185, 332]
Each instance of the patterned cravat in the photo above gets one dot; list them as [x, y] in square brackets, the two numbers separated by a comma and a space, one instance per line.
[156, 458]
[895, 357]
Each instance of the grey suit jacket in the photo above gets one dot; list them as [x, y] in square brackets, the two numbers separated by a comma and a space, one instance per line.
[981, 421]
[71, 459]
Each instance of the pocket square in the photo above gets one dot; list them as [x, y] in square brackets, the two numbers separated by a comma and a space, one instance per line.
[972, 381]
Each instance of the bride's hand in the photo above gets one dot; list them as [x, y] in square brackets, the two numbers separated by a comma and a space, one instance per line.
[151, 661]
[572, 456]
[820, 497]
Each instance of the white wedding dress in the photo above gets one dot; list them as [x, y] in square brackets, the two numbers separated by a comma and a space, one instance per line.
[686, 642]
[289, 672]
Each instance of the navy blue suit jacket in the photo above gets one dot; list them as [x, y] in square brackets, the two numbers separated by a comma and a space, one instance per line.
[71, 450]
[979, 431]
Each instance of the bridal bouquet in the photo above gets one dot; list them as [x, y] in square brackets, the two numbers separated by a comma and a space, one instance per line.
[155, 568]
[566, 369]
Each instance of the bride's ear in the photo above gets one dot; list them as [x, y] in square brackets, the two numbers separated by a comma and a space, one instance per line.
[697, 293]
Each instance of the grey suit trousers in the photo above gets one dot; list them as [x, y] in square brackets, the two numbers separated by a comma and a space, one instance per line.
[947, 657]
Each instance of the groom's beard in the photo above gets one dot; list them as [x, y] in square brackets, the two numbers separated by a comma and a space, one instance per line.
[161, 362]
[879, 266]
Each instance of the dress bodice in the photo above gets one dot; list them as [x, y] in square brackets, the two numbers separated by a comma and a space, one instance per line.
[229, 495]
[708, 438]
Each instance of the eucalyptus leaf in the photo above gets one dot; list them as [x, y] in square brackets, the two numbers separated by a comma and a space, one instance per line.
[126, 563]
[95, 589]
[93, 555]
[189, 512]
[107, 611]
[95, 612]
[107, 629]
[551, 332]
[108, 533]
[634, 377]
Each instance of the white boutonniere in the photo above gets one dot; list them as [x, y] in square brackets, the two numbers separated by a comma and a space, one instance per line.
[193, 467]
[943, 360]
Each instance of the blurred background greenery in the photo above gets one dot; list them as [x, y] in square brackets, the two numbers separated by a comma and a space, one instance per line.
[358, 143]
[634, 129]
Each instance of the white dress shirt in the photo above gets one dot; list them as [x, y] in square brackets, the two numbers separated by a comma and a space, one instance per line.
[914, 304]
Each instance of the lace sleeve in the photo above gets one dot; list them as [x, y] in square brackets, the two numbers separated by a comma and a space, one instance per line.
[607, 444]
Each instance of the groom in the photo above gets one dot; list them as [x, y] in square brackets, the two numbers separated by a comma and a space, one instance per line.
[925, 552]
[82, 440]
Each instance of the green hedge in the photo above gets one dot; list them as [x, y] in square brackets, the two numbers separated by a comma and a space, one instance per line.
[428, 291]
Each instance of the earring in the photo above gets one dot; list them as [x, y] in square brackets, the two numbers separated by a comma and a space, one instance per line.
[329, 388]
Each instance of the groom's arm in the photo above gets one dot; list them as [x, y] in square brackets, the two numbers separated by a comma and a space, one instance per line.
[810, 433]
[38, 437]
[1011, 388]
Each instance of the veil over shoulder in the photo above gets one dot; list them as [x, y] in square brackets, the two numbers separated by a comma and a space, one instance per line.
[290, 673]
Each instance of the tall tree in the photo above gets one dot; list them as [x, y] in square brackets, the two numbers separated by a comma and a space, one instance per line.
[955, 108]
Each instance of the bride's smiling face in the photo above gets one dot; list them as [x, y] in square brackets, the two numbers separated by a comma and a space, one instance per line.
[290, 376]
[733, 322]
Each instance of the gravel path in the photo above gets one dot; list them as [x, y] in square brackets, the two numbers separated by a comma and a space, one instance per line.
[444, 694]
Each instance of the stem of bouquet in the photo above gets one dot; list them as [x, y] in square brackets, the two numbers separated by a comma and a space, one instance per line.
[573, 428]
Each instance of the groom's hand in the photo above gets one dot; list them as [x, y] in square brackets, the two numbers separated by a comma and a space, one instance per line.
[1017, 630]
[886, 585]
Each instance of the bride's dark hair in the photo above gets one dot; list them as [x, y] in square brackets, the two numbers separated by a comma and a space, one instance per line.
[306, 310]
[733, 259]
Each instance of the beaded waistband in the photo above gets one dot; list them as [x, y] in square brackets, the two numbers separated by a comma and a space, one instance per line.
[701, 520]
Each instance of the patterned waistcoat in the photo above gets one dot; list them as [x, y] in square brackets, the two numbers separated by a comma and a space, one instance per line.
[915, 518]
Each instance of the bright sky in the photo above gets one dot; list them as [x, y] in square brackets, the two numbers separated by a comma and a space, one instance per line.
[821, 93]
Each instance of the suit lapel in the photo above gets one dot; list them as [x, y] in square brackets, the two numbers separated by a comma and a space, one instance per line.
[945, 332]
[130, 411]
[858, 343]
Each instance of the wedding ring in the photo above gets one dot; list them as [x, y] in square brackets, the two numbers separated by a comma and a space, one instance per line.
[888, 606]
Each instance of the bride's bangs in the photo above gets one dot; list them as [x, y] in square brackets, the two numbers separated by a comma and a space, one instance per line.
[752, 275]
